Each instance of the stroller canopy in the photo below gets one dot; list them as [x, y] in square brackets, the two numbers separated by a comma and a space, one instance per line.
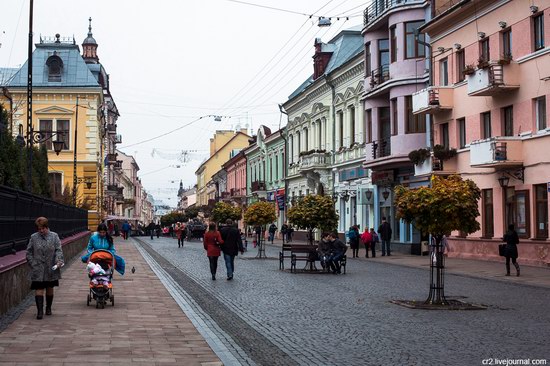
[102, 256]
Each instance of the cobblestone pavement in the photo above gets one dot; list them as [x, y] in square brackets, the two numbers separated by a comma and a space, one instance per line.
[322, 319]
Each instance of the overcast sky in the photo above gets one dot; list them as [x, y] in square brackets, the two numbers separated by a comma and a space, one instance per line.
[172, 61]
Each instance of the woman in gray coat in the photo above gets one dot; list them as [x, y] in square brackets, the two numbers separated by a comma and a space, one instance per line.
[45, 258]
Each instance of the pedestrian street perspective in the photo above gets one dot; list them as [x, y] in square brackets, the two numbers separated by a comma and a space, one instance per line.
[275, 183]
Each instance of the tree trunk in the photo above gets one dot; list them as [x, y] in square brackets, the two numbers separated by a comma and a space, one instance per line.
[437, 274]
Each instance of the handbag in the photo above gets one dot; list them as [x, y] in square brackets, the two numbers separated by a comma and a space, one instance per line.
[502, 249]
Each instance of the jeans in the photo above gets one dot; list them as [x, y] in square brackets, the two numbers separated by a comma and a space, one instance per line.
[271, 237]
[229, 264]
[334, 260]
[386, 247]
[213, 264]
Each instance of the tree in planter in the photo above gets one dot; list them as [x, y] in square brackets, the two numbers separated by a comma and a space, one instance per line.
[314, 212]
[191, 213]
[443, 153]
[418, 157]
[223, 211]
[449, 204]
[171, 218]
[260, 214]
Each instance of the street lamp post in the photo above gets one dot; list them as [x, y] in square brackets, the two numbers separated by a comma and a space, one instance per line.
[75, 179]
[29, 102]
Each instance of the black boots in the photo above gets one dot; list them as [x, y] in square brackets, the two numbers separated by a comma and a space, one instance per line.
[40, 306]
[507, 269]
[517, 269]
[49, 301]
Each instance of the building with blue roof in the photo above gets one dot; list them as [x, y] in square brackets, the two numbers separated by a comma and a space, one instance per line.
[325, 132]
[72, 103]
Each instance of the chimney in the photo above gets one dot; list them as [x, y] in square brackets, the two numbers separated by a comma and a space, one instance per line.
[320, 59]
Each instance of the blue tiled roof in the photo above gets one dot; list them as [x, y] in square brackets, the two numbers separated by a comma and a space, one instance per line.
[6, 73]
[346, 45]
[76, 72]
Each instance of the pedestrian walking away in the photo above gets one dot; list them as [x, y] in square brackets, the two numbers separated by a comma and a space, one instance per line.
[366, 239]
[158, 229]
[151, 229]
[353, 235]
[284, 232]
[126, 230]
[179, 229]
[232, 245]
[45, 259]
[272, 231]
[211, 242]
[512, 240]
[384, 231]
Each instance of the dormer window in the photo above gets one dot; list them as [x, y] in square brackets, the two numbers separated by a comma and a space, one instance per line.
[55, 68]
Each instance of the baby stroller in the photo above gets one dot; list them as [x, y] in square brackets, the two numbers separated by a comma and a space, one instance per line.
[101, 275]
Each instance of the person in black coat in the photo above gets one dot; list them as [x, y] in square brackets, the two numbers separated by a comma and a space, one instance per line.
[232, 245]
[512, 239]
[384, 232]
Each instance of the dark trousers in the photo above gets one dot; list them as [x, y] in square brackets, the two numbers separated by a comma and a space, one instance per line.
[213, 264]
[355, 252]
[373, 249]
[366, 250]
[152, 232]
[180, 241]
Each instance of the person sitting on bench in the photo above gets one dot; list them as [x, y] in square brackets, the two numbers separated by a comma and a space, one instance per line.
[323, 250]
[337, 251]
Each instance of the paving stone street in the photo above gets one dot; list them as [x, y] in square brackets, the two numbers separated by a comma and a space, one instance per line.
[275, 317]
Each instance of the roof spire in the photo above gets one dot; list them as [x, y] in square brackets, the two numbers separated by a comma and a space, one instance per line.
[89, 46]
[90, 27]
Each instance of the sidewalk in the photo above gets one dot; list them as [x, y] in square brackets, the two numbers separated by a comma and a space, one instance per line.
[145, 327]
[530, 275]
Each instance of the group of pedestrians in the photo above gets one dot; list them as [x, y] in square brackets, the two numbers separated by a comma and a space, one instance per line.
[370, 238]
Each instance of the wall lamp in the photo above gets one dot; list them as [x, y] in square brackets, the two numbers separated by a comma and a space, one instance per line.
[503, 181]
[481, 34]
[385, 194]
[457, 46]
[502, 24]
[534, 8]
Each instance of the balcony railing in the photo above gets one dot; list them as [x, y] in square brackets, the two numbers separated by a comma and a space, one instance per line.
[111, 158]
[496, 151]
[112, 188]
[381, 148]
[258, 186]
[118, 139]
[237, 192]
[493, 79]
[318, 160]
[111, 128]
[357, 151]
[380, 75]
[432, 100]
[118, 165]
[378, 8]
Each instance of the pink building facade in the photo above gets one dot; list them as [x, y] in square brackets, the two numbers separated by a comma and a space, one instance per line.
[395, 68]
[236, 181]
[490, 101]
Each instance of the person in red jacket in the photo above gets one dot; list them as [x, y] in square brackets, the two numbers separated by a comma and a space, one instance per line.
[212, 241]
[366, 239]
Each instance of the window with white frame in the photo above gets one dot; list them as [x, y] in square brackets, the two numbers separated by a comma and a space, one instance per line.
[60, 127]
[540, 113]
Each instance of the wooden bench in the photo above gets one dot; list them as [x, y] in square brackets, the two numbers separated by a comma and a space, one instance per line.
[285, 249]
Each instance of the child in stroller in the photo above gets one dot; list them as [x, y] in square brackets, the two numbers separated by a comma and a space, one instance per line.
[100, 271]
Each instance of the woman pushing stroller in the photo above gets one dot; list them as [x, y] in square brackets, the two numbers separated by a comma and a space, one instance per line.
[102, 240]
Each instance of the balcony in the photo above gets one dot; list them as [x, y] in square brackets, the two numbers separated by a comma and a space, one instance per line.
[393, 152]
[356, 151]
[380, 75]
[381, 148]
[433, 165]
[112, 189]
[497, 152]
[315, 160]
[493, 79]
[257, 186]
[111, 159]
[237, 192]
[378, 8]
[111, 128]
[118, 139]
[432, 100]
[118, 165]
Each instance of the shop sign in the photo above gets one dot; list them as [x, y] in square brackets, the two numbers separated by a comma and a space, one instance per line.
[383, 177]
[281, 199]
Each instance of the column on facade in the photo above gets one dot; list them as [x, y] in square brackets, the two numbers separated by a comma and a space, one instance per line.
[346, 129]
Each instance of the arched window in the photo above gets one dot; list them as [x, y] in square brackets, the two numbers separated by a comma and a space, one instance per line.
[55, 68]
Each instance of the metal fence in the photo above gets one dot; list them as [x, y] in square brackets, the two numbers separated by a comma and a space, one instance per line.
[19, 210]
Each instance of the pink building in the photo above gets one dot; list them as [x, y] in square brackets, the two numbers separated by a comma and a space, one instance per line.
[236, 180]
[491, 63]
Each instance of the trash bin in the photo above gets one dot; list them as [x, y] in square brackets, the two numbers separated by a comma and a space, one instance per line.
[424, 247]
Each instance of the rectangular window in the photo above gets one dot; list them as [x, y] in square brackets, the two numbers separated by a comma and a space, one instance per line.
[394, 116]
[413, 49]
[460, 65]
[486, 125]
[517, 210]
[540, 112]
[488, 216]
[541, 211]
[62, 128]
[461, 122]
[56, 184]
[484, 50]
[46, 129]
[352, 125]
[507, 43]
[508, 119]
[444, 72]
[393, 44]
[445, 135]
[415, 123]
[369, 125]
[538, 31]
[383, 52]
[367, 59]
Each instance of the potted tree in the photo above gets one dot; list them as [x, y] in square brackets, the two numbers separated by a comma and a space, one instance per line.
[260, 214]
[314, 212]
[223, 211]
[449, 204]
[417, 157]
[469, 70]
